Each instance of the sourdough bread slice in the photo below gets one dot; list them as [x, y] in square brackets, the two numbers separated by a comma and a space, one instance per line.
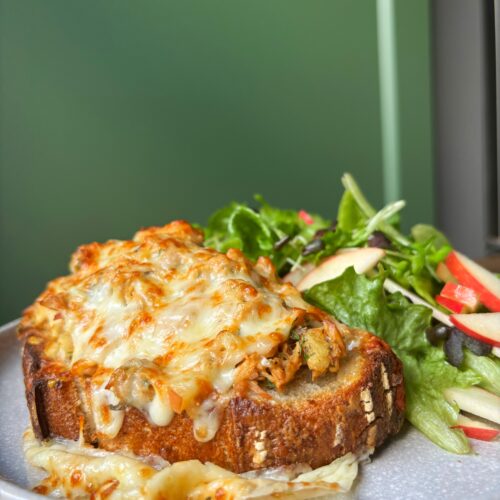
[316, 422]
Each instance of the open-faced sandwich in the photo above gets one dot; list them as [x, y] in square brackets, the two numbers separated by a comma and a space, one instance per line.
[178, 367]
[162, 347]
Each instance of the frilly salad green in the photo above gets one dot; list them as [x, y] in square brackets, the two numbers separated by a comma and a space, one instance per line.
[293, 239]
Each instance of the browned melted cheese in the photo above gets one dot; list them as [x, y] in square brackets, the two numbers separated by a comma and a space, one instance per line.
[162, 323]
[83, 472]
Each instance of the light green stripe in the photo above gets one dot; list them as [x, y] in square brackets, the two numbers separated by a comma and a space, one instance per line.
[386, 28]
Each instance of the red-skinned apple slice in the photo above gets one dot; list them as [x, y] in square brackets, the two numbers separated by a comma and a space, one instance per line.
[482, 326]
[461, 294]
[477, 401]
[474, 276]
[476, 429]
[363, 259]
[444, 274]
[450, 304]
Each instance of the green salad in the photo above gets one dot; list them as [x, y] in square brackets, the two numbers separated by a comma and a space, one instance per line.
[297, 240]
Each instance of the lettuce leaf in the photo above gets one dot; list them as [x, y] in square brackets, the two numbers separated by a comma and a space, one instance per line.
[361, 302]
[412, 261]
[349, 216]
[425, 232]
[426, 377]
[488, 369]
[259, 232]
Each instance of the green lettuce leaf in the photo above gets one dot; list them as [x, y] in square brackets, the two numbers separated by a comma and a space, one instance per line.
[411, 262]
[253, 235]
[361, 302]
[425, 379]
[243, 229]
[488, 369]
[429, 411]
[258, 232]
[349, 216]
[423, 233]
[287, 222]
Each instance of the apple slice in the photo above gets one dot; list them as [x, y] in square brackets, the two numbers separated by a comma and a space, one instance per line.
[482, 326]
[496, 352]
[476, 429]
[450, 304]
[346, 250]
[443, 273]
[474, 276]
[461, 294]
[363, 259]
[476, 401]
[297, 274]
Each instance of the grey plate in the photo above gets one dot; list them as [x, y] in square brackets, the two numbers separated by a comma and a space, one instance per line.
[408, 467]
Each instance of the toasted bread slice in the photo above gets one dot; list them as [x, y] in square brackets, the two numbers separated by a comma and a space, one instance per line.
[309, 422]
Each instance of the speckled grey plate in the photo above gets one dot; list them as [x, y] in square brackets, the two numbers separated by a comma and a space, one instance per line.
[408, 467]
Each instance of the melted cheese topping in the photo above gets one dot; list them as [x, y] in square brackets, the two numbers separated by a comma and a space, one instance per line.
[84, 472]
[161, 323]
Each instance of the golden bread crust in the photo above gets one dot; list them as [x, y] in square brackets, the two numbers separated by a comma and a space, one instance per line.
[355, 411]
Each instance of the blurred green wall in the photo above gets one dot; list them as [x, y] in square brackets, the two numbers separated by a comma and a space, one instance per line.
[117, 114]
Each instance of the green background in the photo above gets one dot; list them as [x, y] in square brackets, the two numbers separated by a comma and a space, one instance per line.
[116, 115]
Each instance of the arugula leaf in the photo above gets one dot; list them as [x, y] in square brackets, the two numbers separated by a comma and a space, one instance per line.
[350, 185]
[423, 284]
[361, 302]
[411, 261]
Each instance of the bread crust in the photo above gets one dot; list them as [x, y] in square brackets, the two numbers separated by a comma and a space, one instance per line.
[355, 412]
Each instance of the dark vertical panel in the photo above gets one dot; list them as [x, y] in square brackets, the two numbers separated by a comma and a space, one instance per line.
[496, 58]
[464, 135]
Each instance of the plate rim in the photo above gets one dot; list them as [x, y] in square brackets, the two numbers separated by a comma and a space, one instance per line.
[8, 489]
